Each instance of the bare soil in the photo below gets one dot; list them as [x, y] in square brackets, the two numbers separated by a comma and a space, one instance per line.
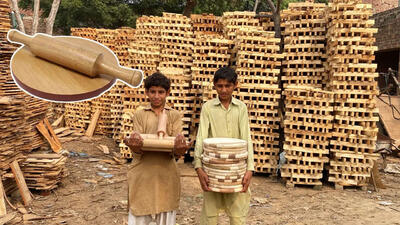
[85, 197]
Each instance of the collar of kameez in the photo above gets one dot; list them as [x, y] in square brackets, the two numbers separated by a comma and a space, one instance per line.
[234, 101]
[148, 107]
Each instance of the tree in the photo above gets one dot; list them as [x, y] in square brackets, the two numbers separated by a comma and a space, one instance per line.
[86, 13]
[14, 7]
[52, 16]
[36, 8]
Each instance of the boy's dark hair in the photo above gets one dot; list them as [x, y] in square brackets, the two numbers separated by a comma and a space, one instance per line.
[226, 73]
[157, 79]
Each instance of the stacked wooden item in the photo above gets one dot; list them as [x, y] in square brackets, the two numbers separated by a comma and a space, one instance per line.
[352, 74]
[258, 68]
[144, 54]
[124, 36]
[12, 130]
[232, 22]
[266, 21]
[85, 32]
[35, 111]
[176, 62]
[12, 101]
[304, 44]
[210, 52]
[225, 162]
[107, 37]
[307, 127]
[43, 171]
[77, 115]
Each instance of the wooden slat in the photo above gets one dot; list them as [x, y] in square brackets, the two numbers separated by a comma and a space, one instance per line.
[19, 178]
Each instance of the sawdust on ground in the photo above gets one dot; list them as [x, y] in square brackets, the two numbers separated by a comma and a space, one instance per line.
[87, 197]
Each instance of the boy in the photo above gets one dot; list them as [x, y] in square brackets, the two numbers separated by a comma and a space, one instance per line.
[153, 178]
[224, 116]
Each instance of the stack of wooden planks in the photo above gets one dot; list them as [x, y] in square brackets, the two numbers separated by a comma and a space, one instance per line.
[43, 171]
[258, 68]
[304, 48]
[176, 62]
[307, 127]
[351, 48]
[12, 125]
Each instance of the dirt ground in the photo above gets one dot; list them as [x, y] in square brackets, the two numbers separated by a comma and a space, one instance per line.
[87, 197]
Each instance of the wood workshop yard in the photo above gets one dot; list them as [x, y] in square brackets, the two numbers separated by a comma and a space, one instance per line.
[84, 197]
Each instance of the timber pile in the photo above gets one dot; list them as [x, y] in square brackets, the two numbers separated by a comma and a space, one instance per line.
[176, 62]
[85, 32]
[206, 24]
[35, 111]
[351, 76]
[43, 171]
[210, 54]
[144, 54]
[258, 68]
[12, 125]
[307, 127]
[107, 37]
[266, 22]
[77, 115]
[124, 36]
[232, 22]
[305, 54]
[126, 130]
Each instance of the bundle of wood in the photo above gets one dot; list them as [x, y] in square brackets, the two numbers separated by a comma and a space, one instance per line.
[352, 76]
[43, 171]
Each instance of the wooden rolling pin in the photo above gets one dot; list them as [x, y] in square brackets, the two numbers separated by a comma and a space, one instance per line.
[78, 58]
[159, 142]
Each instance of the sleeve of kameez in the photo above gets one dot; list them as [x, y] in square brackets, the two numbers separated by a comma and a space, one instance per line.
[202, 133]
[176, 124]
[245, 135]
[137, 122]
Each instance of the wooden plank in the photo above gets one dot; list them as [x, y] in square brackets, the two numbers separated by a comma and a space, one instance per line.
[385, 112]
[53, 140]
[93, 123]
[3, 210]
[53, 135]
[58, 121]
[19, 178]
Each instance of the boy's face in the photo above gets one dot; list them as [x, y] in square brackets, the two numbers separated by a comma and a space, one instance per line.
[224, 89]
[157, 96]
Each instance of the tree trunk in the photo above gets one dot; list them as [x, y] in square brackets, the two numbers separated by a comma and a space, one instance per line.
[36, 9]
[52, 16]
[190, 4]
[276, 15]
[14, 7]
[256, 5]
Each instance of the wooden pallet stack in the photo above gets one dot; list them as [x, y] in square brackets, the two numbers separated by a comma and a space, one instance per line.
[144, 54]
[107, 37]
[176, 62]
[206, 24]
[209, 54]
[124, 36]
[352, 77]
[266, 21]
[43, 171]
[232, 22]
[85, 32]
[77, 115]
[307, 126]
[126, 130]
[258, 68]
[304, 44]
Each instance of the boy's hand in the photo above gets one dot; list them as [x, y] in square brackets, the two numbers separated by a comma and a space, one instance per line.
[180, 146]
[134, 142]
[246, 180]
[203, 178]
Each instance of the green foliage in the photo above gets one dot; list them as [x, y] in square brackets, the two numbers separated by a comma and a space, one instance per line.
[117, 13]
[87, 13]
